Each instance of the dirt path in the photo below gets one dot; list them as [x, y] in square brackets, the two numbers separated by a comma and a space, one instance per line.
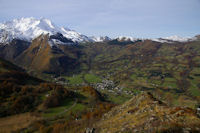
[61, 113]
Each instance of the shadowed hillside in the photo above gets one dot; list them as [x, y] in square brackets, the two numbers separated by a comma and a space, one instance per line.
[13, 49]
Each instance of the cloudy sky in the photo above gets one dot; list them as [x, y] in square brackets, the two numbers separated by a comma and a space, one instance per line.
[137, 18]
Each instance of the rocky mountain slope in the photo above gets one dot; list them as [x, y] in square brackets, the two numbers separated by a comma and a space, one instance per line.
[144, 113]
[44, 55]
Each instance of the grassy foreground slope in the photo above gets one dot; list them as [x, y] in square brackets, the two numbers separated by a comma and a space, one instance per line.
[144, 113]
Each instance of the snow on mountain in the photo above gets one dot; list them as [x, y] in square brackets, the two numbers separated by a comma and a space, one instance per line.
[127, 38]
[160, 40]
[30, 28]
[174, 38]
[177, 38]
[170, 39]
[100, 38]
[197, 37]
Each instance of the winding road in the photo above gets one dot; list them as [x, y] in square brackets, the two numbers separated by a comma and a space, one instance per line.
[68, 109]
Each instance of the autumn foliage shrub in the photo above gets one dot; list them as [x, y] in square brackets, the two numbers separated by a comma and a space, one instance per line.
[57, 95]
[98, 111]
[7, 88]
[16, 77]
[24, 103]
[21, 93]
[94, 93]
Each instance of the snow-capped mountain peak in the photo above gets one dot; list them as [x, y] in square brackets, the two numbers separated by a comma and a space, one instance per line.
[177, 38]
[30, 28]
[174, 38]
[100, 38]
[127, 38]
[169, 39]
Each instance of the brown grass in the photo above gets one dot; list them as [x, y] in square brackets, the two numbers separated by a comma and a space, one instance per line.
[16, 122]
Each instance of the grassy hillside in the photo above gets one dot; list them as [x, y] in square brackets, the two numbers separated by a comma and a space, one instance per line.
[170, 70]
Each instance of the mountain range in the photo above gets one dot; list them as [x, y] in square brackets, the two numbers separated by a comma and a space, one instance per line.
[28, 29]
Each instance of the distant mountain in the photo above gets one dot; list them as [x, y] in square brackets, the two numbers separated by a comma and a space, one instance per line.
[101, 38]
[174, 38]
[177, 38]
[197, 37]
[30, 28]
[127, 38]
[169, 39]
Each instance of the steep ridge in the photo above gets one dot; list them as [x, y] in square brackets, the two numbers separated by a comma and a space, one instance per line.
[42, 56]
[144, 113]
